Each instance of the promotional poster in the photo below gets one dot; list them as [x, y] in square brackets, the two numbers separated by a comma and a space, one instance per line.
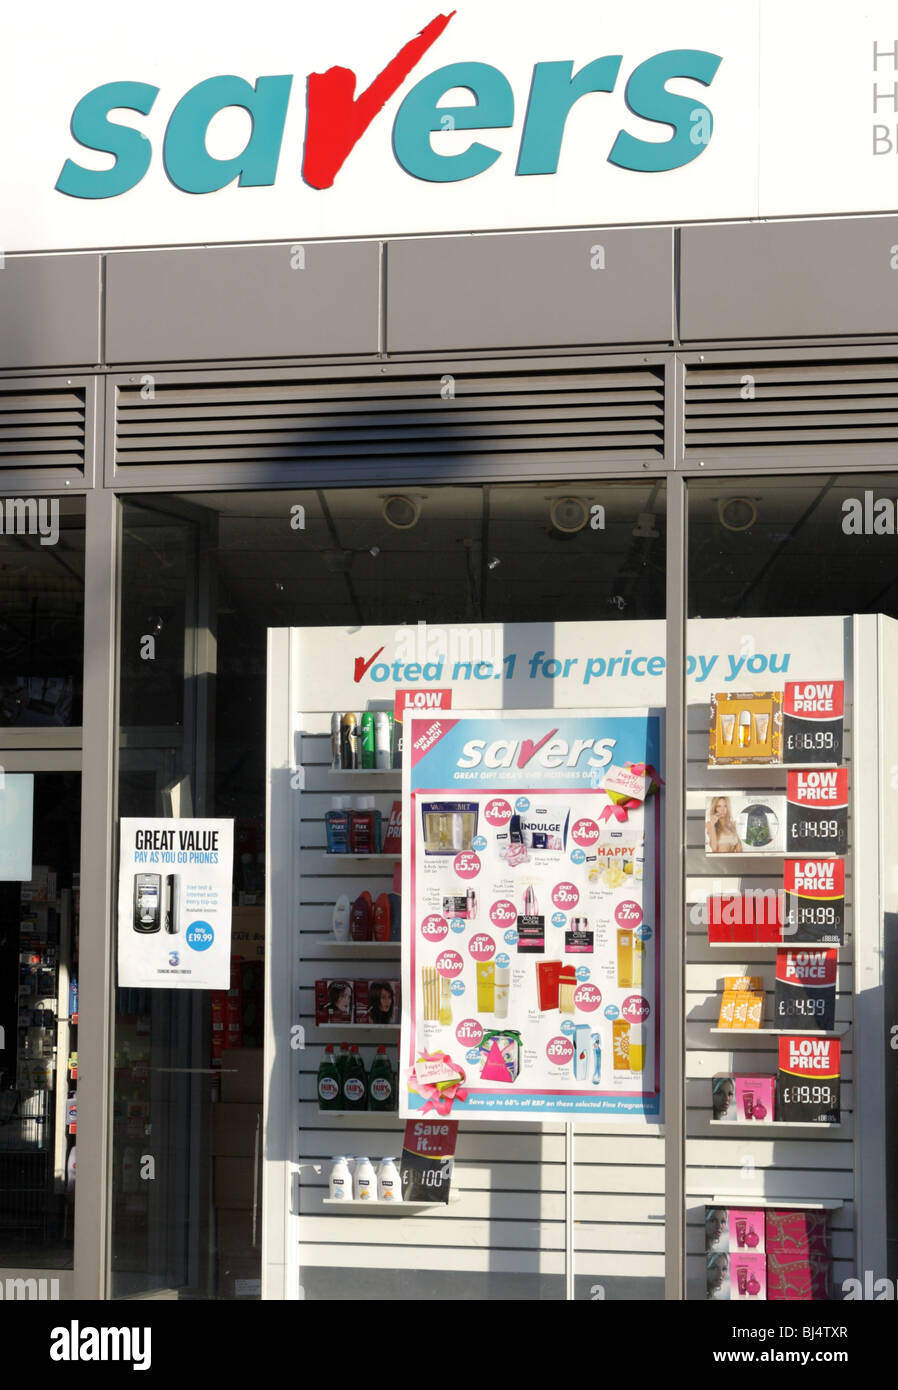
[16, 818]
[174, 903]
[531, 966]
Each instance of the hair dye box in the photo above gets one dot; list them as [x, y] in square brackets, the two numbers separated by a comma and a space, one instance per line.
[333, 1001]
[376, 1001]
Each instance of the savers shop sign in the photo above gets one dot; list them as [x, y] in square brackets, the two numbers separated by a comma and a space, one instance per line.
[304, 122]
[174, 903]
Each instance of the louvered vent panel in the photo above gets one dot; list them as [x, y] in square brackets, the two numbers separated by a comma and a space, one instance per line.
[810, 404]
[42, 428]
[532, 416]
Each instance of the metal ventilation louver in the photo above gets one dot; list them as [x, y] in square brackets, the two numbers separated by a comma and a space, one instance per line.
[733, 409]
[42, 428]
[533, 417]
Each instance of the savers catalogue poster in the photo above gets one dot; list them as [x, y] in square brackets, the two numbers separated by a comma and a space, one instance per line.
[531, 954]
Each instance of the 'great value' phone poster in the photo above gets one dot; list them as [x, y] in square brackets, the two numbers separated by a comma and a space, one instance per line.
[174, 903]
[531, 965]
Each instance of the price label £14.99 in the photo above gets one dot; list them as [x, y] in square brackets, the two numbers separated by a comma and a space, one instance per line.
[817, 811]
[815, 901]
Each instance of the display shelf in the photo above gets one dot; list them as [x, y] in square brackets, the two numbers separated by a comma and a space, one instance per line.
[394, 1208]
[349, 855]
[749, 1125]
[767, 768]
[787, 1032]
[357, 1114]
[748, 1199]
[364, 771]
[323, 950]
[357, 1027]
[759, 945]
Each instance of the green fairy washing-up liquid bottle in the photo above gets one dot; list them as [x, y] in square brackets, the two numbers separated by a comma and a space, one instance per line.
[381, 1083]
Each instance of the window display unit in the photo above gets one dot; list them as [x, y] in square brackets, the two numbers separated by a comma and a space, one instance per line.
[333, 901]
[770, 1118]
[772, 949]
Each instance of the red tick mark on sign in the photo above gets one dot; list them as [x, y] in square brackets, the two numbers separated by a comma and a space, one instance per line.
[528, 748]
[361, 665]
[336, 120]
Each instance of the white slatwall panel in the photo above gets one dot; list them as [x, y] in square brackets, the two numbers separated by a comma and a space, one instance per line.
[510, 1179]
[805, 1163]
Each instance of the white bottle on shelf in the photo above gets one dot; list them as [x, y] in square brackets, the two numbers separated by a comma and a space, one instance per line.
[389, 1182]
[365, 1181]
[340, 1184]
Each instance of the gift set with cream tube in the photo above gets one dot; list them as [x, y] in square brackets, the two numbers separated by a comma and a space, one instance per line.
[746, 728]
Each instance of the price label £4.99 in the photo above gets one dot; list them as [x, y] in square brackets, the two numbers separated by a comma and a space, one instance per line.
[817, 811]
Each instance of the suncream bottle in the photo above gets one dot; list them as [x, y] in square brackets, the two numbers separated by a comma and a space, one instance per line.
[336, 743]
[503, 976]
[445, 1003]
[383, 739]
[620, 1030]
[637, 1047]
[336, 825]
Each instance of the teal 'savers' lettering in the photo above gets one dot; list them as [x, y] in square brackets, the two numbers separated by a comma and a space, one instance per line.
[554, 90]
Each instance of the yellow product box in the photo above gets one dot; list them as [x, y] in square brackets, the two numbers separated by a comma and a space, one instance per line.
[740, 1009]
[738, 984]
[727, 1009]
[746, 728]
[755, 1011]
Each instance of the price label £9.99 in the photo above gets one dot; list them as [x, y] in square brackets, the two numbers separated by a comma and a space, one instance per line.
[817, 812]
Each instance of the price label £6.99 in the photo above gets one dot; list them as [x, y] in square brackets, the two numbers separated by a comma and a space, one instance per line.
[817, 812]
